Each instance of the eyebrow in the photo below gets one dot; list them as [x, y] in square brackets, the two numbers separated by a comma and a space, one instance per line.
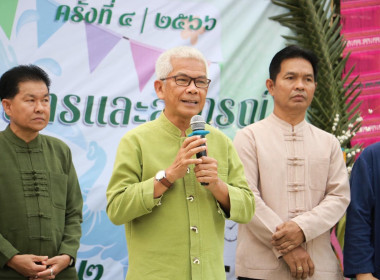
[33, 95]
[295, 73]
[183, 74]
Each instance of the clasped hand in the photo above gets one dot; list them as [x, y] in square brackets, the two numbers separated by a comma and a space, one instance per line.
[288, 236]
[287, 240]
[38, 267]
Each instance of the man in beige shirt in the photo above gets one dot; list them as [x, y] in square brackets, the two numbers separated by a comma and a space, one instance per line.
[298, 175]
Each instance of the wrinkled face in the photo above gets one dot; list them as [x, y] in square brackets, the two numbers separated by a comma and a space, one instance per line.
[294, 87]
[183, 102]
[29, 110]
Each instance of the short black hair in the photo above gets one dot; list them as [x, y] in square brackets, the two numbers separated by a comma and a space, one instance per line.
[10, 80]
[292, 51]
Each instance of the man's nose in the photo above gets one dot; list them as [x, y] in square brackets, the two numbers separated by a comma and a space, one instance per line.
[300, 84]
[39, 106]
[191, 88]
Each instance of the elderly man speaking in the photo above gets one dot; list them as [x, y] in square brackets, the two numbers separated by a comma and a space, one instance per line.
[174, 224]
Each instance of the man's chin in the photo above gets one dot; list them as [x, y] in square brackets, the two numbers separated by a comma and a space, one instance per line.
[38, 127]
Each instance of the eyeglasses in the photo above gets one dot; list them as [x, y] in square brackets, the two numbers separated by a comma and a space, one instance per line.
[182, 80]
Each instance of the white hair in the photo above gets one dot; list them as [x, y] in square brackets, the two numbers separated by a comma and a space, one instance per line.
[164, 65]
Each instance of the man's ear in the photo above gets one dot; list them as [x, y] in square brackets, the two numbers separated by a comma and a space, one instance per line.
[158, 87]
[7, 106]
[270, 85]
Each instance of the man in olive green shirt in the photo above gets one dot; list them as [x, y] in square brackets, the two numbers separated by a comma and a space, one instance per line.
[174, 225]
[40, 202]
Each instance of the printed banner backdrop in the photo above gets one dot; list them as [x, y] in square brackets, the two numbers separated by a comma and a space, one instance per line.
[100, 55]
[361, 29]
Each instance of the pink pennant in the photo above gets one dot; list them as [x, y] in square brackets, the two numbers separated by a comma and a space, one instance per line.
[144, 58]
[100, 42]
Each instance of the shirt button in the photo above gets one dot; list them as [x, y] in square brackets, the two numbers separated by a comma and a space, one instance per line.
[194, 228]
[190, 198]
[196, 261]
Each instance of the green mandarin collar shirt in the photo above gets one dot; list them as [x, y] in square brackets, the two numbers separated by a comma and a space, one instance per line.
[40, 201]
[181, 234]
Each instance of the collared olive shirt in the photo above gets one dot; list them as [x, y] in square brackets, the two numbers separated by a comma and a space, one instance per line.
[40, 201]
[181, 234]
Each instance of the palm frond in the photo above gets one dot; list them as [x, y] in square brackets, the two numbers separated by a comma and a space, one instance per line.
[316, 27]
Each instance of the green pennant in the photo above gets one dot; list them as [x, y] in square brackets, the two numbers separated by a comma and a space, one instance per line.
[7, 15]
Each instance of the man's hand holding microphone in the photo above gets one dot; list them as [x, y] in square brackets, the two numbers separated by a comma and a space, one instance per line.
[206, 168]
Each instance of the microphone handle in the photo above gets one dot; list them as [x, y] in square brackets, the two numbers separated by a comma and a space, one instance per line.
[202, 154]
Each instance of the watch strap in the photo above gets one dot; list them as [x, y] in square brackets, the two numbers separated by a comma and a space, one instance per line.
[166, 182]
[72, 262]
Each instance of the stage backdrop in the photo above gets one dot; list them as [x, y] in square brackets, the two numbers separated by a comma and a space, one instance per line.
[100, 55]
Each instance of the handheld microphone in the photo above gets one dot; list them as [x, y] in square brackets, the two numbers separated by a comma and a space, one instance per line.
[197, 124]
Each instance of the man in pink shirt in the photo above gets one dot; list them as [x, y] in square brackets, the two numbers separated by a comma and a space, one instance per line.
[299, 179]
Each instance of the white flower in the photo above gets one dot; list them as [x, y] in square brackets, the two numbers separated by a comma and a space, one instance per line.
[370, 111]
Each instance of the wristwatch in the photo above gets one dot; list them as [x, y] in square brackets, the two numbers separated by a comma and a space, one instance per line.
[161, 177]
[71, 263]
[72, 260]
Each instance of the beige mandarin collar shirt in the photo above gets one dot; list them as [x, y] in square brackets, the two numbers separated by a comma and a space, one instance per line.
[296, 173]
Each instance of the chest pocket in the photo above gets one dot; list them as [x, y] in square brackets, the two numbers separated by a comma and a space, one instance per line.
[58, 184]
[318, 173]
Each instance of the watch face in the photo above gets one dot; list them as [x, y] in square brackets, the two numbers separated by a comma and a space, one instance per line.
[160, 175]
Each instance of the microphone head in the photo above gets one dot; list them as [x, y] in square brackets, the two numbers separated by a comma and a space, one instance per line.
[197, 123]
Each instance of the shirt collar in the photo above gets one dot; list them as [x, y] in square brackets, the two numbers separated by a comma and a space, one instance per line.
[166, 124]
[285, 125]
[9, 134]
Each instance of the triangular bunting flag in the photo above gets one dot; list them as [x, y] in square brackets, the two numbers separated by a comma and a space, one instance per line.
[99, 43]
[7, 15]
[145, 58]
[46, 23]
